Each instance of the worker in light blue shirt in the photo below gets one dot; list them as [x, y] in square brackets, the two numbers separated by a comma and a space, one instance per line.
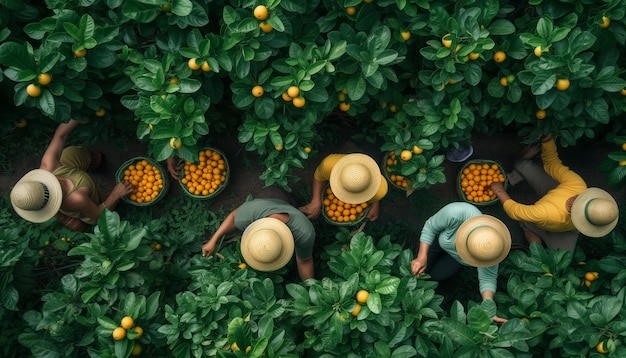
[460, 235]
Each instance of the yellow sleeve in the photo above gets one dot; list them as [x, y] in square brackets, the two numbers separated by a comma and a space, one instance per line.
[322, 172]
[555, 168]
[382, 190]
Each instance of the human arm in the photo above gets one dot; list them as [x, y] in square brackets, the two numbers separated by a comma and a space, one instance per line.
[172, 168]
[372, 214]
[418, 265]
[488, 295]
[305, 267]
[51, 157]
[79, 201]
[227, 226]
[313, 208]
[487, 283]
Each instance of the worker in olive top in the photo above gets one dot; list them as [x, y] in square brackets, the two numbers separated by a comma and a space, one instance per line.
[287, 215]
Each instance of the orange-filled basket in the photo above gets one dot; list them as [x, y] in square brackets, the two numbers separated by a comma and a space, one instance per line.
[475, 178]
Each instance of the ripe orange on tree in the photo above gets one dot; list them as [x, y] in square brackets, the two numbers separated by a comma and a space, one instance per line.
[207, 176]
[127, 322]
[147, 181]
[338, 211]
[286, 97]
[562, 84]
[362, 295]
[175, 143]
[538, 51]
[101, 112]
[260, 12]
[623, 91]
[540, 114]
[623, 145]
[356, 310]
[205, 66]
[606, 21]
[499, 56]
[119, 333]
[21, 123]
[445, 41]
[44, 79]
[307, 149]
[417, 150]
[406, 35]
[350, 10]
[257, 91]
[174, 80]
[136, 350]
[293, 91]
[139, 331]
[193, 64]
[406, 155]
[503, 81]
[33, 90]
[278, 148]
[80, 53]
[266, 27]
[299, 102]
[345, 107]
[473, 56]
[600, 348]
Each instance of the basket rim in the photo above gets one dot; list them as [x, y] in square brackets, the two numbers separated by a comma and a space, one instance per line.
[216, 192]
[479, 161]
[337, 223]
[119, 173]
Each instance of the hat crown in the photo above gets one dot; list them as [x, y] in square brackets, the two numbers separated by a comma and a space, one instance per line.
[355, 177]
[601, 211]
[485, 243]
[29, 195]
[267, 246]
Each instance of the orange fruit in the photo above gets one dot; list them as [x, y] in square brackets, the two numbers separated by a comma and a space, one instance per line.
[356, 310]
[136, 350]
[362, 295]
[174, 80]
[503, 81]
[499, 56]
[22, 122]
[406, 35]
[127, 322]
[540, 114]
[293, 91]
[119, 333]
[623, 144]
[139, 331]
[175, 143]
[538, 51]
[343, 106]
[562, 84]
[417, 150]
[286, 97]
[260, 12]
[473, 56]
[44, 79]
[445, 41]
[193, 64]
[299, 102]
[266, 27]
[600, 348]
[242, 266]
[33, 90]
[350, 10]
[307, 150]
[101, 112]
[406, 155]
[623, 91]
[80, 53]
[205, 66]
[605, 22]
[257, 91]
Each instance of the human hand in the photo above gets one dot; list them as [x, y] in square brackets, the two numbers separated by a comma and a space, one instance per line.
[122, 189]
[499, 320]
[372, 214]
[418, 266]
[172, 168]
[496, 187]
[312, 209]
[208, 248]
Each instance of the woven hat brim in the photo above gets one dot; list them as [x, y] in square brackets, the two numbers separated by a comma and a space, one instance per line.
[54, 201]
[578, 213]
[481, 220]
[370, 191]
[247, 241]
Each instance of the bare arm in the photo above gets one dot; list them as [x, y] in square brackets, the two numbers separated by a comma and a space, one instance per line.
[498, 189]
[227, 226]
[79, 201]
[488, 295]
[52, 155]
[305, 267]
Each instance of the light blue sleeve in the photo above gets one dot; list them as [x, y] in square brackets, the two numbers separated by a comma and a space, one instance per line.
[487, 278]
[446, 221]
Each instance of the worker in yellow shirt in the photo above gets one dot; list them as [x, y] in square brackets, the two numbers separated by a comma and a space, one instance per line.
[565, 208]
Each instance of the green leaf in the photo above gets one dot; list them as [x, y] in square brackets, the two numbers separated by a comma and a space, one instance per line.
[501, 27]
[17, 56]
[72, 30]
[264, 107]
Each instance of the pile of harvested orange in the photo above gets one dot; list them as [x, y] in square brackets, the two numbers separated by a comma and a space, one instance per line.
[336, 210]
[394, 178]
[206, 177]
[475, 180]
[147, 180]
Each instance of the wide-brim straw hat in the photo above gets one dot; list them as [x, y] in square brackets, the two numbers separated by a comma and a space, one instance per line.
[594, 212]
[483, 241]
[355, 178]
[37, 196]
[267, 244]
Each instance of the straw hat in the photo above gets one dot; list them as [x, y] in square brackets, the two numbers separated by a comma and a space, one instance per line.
[267, 244]
[355, 178]
[37, 196]
[595, 212]
[483, 241]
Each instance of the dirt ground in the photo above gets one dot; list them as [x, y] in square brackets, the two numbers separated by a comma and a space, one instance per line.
[414, 210]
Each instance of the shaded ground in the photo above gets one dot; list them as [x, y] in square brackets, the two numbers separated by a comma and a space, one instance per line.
[395, 207]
